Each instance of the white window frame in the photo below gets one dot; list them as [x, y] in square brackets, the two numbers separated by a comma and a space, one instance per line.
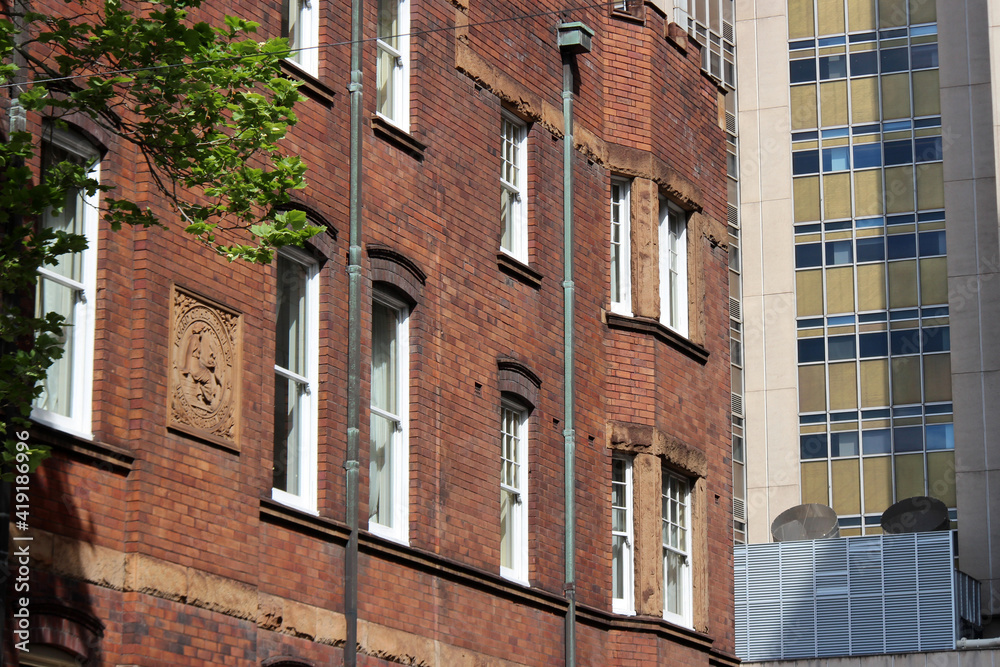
[399, 475]
[304, 52]
[625, 603]
[673, 267]
[398, 112]
[308, 424]
[514, 161]
[79, 420]
[517, 486]
[621, 243]
[676, 494]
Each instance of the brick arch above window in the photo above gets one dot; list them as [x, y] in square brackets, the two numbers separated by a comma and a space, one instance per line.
[286, 661]
[515, 377]
[67, 629]
[312, 213]
[392, 267]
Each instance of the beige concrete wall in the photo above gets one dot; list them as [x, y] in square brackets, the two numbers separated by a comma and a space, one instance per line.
[970, 62]
[768, 264]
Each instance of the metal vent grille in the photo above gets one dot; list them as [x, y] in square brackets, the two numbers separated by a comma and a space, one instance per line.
[735, 311]
[849, 596]
[737, 404]
[739, 510]
[733, 216]
[730, 123]
[727, 31]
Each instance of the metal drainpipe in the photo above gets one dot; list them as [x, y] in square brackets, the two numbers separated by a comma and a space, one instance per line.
[573, 38]
[352, 464]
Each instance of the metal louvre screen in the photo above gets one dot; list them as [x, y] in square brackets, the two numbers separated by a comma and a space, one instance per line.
[846, 596]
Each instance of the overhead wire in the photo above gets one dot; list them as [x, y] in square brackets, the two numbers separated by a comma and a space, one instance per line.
[213, 61]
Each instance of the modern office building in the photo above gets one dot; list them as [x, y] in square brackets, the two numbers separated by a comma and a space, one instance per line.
[868, 209]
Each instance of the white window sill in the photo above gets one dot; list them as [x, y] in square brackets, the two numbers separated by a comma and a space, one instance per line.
[60, 423]
[294, 502]
[399, 537]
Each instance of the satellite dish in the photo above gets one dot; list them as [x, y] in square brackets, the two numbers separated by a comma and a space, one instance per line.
[920, 514]
[811, 521]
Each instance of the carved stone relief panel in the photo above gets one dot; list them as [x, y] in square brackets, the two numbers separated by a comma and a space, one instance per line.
[204, 369]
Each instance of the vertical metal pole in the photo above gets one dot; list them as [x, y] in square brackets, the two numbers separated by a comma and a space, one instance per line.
[569, 433]
[354, 346]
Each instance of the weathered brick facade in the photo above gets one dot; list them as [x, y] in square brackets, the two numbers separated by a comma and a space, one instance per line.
[173, 543]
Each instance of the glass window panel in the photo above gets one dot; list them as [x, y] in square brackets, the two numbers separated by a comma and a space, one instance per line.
[836, 159]
[871, 249]
[844, 443]
[57, 386]
[867, 155]
[841, 347]
[873, 344]
[830, 17]
[868, 192]
[808, 255]
[922, 12]
[930, 185]
[871, 287]
[833, 103]
[860, 15]
[811, 349]
[864, 63]
[813, 446]
[932, 243]
[940, 436]
[802, 70]
[877, 441]
[895, 96]
[832, 67]
[902, 246]
[936, 339]
[894, 60]
[891, 13]
[898, 152]
[837, 196]
[800, 19]
[924, 56]
[905, 342]
[805, 162]
[840, 290]
[908, 438]
[928, 149]
[839, 252]
[933, 280]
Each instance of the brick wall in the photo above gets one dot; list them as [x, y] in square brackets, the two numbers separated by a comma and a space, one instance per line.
[242, 580]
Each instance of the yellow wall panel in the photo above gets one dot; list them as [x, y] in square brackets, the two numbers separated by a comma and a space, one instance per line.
[905, 380]
[941, 477]
[871, 286]
[830, 17]
[874, 383]
[930, 186]
[864, 100]
[909, 476]
[868, 192]
[837, 196]
[891, 13]
[845, 481]
[861, 14]
[899, 189]
[833, 102]
[812, 388]
[878, 484]
[803, 101]
[922, 11]
[815, 484]
[937, 377]
[895, 96]
[844, 386]
[926, 92]
[809, 292]
[933, 281]
[806, 194]
[800, 19]
[903, 284]
[840, 290]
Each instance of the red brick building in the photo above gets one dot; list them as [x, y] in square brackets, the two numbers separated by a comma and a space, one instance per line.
[193, 511]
